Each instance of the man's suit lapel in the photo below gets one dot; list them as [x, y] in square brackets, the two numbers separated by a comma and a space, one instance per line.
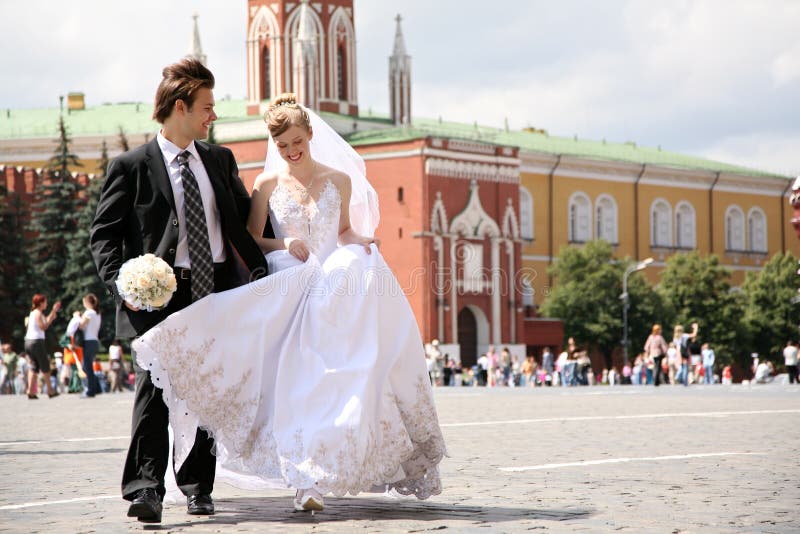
[158, 172]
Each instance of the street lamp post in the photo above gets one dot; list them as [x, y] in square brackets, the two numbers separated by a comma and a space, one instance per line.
[626, 301]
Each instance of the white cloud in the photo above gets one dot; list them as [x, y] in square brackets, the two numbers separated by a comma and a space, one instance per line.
[769, 151]
[685, 74]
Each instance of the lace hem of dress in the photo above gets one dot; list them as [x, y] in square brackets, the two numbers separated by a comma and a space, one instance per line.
[402, 452]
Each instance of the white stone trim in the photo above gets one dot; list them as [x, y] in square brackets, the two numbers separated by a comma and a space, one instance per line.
[510, 224]
[473, 221]
[468, 170]
[438, 211]
[477, 147]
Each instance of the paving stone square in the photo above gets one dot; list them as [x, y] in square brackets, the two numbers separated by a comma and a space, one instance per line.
[594, 459]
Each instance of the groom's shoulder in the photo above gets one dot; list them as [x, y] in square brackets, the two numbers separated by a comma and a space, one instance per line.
[216, 150]
[133, 155]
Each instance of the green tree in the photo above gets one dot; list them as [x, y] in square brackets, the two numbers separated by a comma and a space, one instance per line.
[698, 288]
[771, 315]
[122, 141]
[53, 219]
[587, 298]
[80, 274]
[15, 291]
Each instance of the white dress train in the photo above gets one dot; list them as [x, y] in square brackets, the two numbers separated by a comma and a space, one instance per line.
[311, 377]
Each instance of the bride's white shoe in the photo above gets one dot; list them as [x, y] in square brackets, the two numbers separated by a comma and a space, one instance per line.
[309, 500]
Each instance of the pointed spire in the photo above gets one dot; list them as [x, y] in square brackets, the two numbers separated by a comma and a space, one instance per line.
[195, 48]
[400, 79]
[399, 42]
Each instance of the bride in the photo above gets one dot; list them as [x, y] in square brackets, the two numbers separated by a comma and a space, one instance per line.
[313, 377]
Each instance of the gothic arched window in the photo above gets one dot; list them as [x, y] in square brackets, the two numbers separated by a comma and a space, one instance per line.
[341, 73]
[266, 74]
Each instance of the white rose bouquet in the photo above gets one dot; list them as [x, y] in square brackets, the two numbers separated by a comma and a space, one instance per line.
[146, 282]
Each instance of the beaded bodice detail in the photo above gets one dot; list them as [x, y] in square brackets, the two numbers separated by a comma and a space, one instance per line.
[316, 223]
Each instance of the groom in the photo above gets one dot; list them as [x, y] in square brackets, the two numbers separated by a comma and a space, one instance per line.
[182, 200]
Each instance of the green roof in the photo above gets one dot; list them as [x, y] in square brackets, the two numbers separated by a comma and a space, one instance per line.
[134, 117]
[542, 142]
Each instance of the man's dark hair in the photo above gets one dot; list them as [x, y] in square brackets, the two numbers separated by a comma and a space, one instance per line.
[180, 81]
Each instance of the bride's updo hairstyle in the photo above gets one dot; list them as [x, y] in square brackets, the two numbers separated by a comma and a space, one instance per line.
[283, 113]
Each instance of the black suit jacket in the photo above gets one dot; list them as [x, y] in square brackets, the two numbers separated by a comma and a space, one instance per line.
[136, 215]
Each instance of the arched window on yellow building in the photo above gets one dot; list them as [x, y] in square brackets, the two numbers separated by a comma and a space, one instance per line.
[525, 214]
[606, 219]
[734, 229]
[660, 223]
[580, 218]
[756, 230]
[685, 225]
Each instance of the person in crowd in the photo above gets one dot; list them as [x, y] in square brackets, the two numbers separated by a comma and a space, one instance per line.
[727, 375]
[708, 363]
[90, 324]
[626, 374]
[35, 346]
[493, 360]
[506, 366]
[547, 361]
[671, 363]
[764, 372]
[790, 360]
[482, 371]
[636, 374]
[10, 360]
[584, 373]
[656, 348]
[116, 366]
[682, 342]
[447, 371]
[528, 370]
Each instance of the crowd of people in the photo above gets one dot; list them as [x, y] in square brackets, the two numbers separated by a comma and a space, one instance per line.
[682, 361]
[72, 369]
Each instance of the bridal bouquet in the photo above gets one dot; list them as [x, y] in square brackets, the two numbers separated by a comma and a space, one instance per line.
[146, 282]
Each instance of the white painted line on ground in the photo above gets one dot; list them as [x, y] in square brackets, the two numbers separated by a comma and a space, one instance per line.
[66, 501]
[64, 440]
[618, 417]
[626, 460]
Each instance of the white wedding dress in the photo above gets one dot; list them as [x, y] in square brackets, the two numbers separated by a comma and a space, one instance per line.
[312, 377]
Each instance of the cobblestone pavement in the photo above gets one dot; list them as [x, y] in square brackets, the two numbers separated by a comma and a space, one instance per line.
[636, 459]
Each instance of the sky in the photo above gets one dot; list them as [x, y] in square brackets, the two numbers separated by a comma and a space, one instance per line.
[714, 78]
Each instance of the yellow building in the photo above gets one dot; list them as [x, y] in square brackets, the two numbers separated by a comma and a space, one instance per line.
[648, 203]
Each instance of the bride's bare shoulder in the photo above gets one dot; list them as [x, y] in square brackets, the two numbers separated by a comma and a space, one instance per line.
[340, 179]
[267, 180]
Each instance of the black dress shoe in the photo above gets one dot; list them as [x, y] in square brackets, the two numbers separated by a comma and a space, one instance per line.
[146, 506]
[200, 505]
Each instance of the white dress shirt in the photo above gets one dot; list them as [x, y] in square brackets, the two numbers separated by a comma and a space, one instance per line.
[170, 152]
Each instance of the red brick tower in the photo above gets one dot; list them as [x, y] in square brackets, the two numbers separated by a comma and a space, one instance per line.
[306, 47]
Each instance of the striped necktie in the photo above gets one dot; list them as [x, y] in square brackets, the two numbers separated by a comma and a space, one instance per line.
[202, 267]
